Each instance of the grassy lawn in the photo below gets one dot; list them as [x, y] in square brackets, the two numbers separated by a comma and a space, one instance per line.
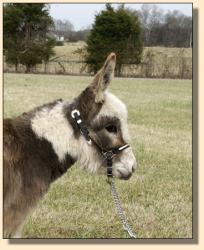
[157, 199]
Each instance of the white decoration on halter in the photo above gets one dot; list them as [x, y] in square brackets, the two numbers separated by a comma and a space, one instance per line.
[123, 147]
[75, 111]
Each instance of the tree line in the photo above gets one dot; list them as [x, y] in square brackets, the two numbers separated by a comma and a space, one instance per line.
[171, 29]
[30, 33]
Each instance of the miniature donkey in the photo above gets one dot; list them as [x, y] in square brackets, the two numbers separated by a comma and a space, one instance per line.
[39, 146]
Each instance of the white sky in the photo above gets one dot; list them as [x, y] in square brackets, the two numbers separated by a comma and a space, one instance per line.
[82, 15]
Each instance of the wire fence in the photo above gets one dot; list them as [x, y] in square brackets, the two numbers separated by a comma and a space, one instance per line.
[168, 67]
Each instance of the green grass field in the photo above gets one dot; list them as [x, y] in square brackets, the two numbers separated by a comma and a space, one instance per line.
[157, 199]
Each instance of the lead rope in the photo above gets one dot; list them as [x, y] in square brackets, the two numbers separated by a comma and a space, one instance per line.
[119, 209]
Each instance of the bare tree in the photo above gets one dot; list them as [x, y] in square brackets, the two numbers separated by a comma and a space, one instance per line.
[150, 16]
[63, 28]
[178, 29]
[172, 29]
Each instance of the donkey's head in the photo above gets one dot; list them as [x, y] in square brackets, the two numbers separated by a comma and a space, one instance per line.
[106, 119]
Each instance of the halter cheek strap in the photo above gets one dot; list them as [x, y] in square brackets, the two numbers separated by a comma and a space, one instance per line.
[84, 131]
[107, 154]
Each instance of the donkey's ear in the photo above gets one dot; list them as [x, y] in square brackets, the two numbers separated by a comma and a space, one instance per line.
[103, 78]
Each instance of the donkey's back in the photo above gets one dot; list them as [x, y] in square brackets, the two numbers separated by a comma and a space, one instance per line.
[12, 156]
[11, 143]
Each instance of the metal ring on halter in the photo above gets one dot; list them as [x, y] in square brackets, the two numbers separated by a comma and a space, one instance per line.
[75, 111]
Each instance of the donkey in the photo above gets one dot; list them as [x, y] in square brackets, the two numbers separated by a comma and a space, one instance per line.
[40, 145]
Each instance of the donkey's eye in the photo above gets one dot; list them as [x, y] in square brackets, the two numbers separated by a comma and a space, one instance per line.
[111, 129]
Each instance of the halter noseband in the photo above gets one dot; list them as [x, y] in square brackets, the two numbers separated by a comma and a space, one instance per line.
[107, 154]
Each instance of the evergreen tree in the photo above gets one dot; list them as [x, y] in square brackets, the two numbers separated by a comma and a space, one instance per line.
[114, 31]
[25, 31]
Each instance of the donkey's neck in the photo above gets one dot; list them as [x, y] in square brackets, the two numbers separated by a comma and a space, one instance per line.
[55, 125]
[51, 124]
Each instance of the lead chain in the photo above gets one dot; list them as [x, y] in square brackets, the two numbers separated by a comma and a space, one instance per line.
[120, 210]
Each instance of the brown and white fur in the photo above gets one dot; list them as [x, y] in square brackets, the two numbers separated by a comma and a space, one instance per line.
[39, 146]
